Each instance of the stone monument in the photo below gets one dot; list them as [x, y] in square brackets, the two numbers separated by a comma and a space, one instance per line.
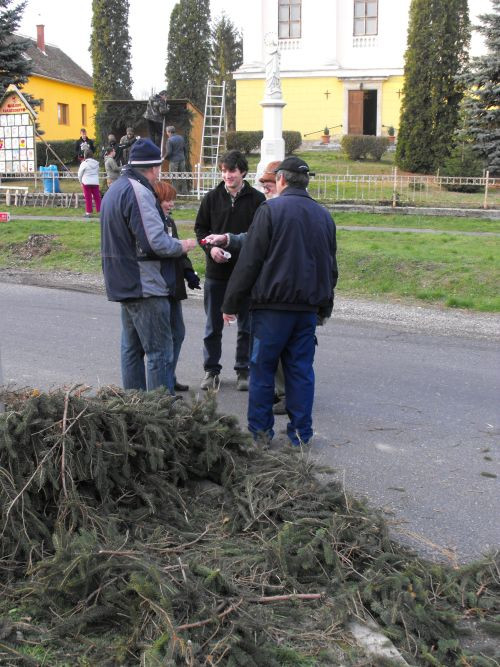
[272, 146]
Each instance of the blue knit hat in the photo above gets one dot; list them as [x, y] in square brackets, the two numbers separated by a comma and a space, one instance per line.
[144, 153]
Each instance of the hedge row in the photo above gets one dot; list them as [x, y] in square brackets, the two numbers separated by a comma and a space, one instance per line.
[65, 151]
[360, 146]
[249, 141]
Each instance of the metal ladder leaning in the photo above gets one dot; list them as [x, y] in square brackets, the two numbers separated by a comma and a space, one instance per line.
[214, 128]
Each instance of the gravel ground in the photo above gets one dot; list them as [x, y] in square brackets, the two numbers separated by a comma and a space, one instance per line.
[393, 314]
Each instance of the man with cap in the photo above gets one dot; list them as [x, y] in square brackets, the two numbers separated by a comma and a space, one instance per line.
[139, 271]
[288, 267]
[126, 143]
[233, 242]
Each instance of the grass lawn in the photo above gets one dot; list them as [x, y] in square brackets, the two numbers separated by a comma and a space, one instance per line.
[455, 271]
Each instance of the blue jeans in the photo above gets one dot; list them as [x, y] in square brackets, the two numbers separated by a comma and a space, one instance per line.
[213, 297]
[289, 335]
[146, 333]
[178, 332]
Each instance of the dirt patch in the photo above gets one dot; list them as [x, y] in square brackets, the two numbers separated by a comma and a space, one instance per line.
[37, 245]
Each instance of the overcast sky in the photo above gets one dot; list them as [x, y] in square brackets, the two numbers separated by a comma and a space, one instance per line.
[67, 25]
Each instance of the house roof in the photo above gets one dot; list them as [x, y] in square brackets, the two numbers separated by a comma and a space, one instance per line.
[54, 64]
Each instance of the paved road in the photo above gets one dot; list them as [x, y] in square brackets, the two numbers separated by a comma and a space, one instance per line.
[408, 418]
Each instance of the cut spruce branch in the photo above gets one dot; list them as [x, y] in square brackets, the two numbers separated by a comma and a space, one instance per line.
[161, 535]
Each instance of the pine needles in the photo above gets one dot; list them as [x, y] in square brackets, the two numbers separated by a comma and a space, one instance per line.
[139, 529]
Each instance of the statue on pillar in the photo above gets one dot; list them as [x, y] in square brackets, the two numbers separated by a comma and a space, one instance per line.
[273, 81]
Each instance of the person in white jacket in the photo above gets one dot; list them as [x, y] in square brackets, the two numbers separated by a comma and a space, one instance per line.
[88, 175]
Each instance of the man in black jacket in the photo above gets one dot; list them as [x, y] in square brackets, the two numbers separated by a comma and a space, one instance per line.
[288, 268]
[82, 144]
[228, 208]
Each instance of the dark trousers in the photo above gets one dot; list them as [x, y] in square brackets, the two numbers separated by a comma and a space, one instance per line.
[155, 132]
[179, 183]
[178, 332]
[289, 335]
[213, 297]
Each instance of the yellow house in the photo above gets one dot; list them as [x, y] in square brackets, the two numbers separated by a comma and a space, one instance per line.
[64, 89]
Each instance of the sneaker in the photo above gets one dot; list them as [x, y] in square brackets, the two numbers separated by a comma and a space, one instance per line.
[181, 387]
[279, 408]
[210, 381]
[242, 380]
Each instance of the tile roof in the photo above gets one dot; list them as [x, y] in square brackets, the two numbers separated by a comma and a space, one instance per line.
[55, 65]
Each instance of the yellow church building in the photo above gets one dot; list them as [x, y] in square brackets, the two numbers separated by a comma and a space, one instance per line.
[64, 89]
[341, 64]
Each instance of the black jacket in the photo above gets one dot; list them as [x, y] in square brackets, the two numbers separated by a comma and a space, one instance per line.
[181, 264]
[81, 146]
[288, 260]
[218, 215]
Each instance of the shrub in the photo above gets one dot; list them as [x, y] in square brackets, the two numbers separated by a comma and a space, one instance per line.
[246, 141]
[65, 150]
[358, 146]
[463, 161]
[354, 146]
[293, 140]
[378, 147]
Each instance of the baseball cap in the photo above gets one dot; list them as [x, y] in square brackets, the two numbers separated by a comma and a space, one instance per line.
[294, 164]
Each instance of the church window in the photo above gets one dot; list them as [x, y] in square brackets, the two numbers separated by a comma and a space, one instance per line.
[365, 17]
[289, 19]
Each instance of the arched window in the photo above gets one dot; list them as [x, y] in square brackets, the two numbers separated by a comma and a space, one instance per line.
[289, 19]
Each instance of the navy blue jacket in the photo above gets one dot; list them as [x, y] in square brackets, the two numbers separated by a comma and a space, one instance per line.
[288, 260]
[137, 252]
[176, 151]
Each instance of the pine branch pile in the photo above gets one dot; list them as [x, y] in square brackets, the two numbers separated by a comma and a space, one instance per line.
[140, 529]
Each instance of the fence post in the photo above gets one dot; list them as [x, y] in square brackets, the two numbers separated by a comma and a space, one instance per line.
[485, 203]
[394, 188]
[198, 179]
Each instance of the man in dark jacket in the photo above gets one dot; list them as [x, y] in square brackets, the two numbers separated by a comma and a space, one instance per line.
[176, 156]
[155, 113]
[139, 271]
[288, 268]
[228, 208]
[82, 144]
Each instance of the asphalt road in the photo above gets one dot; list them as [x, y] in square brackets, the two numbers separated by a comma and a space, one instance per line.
[408, 418]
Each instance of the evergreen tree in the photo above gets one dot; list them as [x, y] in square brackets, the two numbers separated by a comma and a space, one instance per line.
[438, 38]
[481, 105]
[227, 56]
[110, 50]
[14, 67]
[188, 56]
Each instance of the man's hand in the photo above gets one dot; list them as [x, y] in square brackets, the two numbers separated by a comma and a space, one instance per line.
[228, 319]
[188, 244]
[217, 254]
[216, 239]
[192, 279]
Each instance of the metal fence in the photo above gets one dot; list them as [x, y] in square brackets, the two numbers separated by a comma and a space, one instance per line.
[395, 189]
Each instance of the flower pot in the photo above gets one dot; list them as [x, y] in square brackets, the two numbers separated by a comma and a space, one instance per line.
[325, 138]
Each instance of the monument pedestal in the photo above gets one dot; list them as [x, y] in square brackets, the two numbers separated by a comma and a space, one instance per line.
[272, 146]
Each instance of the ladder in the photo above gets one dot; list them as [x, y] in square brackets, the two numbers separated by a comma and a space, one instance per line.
[214, 127]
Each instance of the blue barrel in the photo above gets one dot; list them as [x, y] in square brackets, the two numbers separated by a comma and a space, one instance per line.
[50, 178]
